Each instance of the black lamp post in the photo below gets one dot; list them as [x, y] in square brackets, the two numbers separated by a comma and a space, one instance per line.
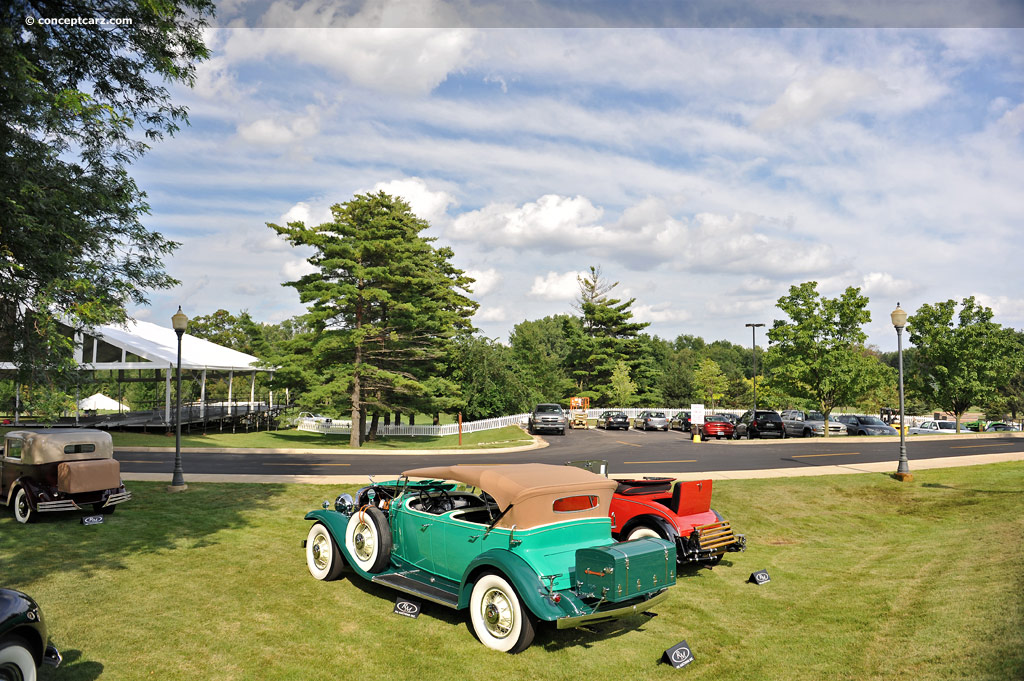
[753, 347]
[180, 322]
[899, 320]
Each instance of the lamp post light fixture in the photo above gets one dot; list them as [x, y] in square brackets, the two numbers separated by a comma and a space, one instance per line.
[899, 320]
[753, 347]
[180, 322]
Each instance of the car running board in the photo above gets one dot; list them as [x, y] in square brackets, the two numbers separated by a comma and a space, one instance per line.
[434, 593]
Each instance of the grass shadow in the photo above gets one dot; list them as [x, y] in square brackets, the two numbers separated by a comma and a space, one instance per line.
[152, 521]
[72, 668]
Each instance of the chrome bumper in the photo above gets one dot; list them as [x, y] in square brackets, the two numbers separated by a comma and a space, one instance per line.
[616, 613]
[70, 505]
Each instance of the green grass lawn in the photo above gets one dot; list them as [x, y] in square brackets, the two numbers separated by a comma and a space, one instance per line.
[870, 579]
[509, 436]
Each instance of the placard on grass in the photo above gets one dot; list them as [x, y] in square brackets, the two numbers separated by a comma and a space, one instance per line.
[871, 579]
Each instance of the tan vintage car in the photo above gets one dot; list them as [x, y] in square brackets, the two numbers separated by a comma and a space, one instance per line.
[60, 470]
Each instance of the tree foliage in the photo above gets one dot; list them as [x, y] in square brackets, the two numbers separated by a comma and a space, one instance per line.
[711, 382]
[382, 301]
[78, 104]
[818, 354]
[962, 359]
[606, 336]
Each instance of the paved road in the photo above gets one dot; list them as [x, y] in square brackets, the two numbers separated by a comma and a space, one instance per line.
[628, 452]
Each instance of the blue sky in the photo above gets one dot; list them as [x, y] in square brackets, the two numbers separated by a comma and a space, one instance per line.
[705, 169]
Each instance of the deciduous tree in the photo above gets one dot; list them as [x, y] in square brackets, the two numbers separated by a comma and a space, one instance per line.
[962, 358]
[78, 104]
[818, 354]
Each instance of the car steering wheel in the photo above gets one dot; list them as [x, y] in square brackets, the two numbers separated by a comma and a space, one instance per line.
[439, 504]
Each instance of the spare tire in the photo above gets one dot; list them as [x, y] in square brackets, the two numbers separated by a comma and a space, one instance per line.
[368, 539]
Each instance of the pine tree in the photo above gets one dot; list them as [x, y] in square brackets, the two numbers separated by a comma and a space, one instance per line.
[608, 336]
[382, 303]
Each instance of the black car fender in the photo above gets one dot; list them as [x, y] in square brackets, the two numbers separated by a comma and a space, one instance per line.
[20, 618]
[32, 489]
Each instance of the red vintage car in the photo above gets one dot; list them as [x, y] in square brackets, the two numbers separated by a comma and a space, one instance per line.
[717, 427]
[680, 512]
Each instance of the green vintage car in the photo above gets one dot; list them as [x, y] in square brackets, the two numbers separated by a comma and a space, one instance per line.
[517, 544]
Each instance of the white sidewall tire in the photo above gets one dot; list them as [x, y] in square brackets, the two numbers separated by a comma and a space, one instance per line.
[21, 499]
[16, 654]
[641, 532]
[495, 589]
[368, 539]
[321, 545]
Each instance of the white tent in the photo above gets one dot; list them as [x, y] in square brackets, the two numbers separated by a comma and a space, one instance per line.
[140, 345]
[101, 401]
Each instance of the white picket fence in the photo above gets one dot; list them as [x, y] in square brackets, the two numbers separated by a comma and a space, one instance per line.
[337, 427]
[345, 427]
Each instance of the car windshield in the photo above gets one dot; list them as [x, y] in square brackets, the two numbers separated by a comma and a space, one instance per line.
[815, 416]
[715, 418]
[615, 414]
[871, 421]
[946, 425]
[548, 408]
[657, 414]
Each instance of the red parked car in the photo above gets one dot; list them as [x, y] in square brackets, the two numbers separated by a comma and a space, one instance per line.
[680, 512]
[717, 427]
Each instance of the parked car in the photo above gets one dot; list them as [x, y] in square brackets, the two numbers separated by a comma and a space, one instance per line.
[613, 419]
[1001, 427]
[646, 420]
[857, 424]
[681, 421]
[716, 426]
[60, 470]
[680, 513]
[24, 644]
[933, 427]
[797, 423]
[732, 418]
[548, 417]
[762, 424]
[534, 544]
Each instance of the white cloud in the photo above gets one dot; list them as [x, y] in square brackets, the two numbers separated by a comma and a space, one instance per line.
[556, 286]
[884, 284]
[486, 280]
[550, 220]
[491, 314]
[274, 132]
[293, 269]
[829, 94]
[1012, 122]
[660, 312]
[1007, 309]
[395, 60]
[432, 206]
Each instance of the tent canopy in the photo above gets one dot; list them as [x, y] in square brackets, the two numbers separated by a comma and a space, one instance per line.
[101, 401]
[159, 345]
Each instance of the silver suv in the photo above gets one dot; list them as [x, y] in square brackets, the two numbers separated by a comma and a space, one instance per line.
[799, 423]
[547, 417]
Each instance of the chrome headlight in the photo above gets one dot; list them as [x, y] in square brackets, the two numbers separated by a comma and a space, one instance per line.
[344, 504]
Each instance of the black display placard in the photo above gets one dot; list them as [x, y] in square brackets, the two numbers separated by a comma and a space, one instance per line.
[407, 607]
[92, 520]
[679, 655]
[759, 577]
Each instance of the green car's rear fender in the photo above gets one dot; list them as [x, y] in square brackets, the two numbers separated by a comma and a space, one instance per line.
[525, 580]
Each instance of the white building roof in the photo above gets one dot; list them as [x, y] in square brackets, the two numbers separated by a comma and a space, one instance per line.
[159, 345]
